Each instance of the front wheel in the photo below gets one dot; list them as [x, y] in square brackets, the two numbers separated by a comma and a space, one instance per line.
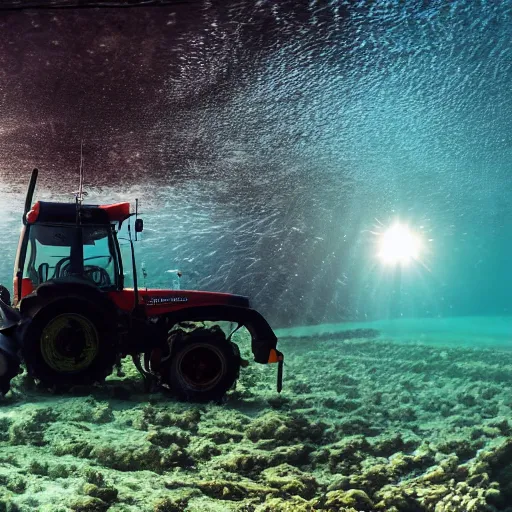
[203, 366]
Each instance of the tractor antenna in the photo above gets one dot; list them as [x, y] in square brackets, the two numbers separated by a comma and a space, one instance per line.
[134, 267]
[80, 196]
[30, 194]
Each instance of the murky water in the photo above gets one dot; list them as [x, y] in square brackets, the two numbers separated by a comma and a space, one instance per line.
[273, 143]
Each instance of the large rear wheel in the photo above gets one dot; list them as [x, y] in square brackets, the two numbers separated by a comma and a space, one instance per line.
[69, 342]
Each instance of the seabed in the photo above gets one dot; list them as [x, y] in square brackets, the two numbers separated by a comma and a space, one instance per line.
[408, 415]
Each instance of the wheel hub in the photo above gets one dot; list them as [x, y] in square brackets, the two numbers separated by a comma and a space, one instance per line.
[202, 366]
[69, 343]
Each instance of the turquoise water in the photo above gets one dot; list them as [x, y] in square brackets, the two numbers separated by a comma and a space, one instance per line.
[484, 332]
[273, 165]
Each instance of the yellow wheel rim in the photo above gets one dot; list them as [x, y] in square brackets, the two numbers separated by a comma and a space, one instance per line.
[69, 343]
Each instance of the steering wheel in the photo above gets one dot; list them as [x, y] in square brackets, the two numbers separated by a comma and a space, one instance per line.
[97, 275]
[58, 266]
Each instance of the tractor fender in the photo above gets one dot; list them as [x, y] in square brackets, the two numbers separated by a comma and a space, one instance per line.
[71, 288]
[263, 338]
[66, 287]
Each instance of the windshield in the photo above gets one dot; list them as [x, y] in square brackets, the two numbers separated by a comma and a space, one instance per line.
[52, 248]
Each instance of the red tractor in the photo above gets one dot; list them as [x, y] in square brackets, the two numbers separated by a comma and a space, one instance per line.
[72, 318]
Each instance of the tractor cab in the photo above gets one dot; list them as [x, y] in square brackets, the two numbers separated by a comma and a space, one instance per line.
[54, 244]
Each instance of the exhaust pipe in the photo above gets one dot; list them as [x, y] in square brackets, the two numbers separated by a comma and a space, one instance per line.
[30, 194]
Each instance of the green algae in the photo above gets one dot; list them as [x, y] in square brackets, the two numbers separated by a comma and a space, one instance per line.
[360, 427]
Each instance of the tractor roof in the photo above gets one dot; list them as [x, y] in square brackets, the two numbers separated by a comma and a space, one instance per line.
[44, 211]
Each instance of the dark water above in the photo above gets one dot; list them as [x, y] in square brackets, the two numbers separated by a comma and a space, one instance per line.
[273, 143]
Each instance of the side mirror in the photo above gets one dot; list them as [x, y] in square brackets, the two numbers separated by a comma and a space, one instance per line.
[139, 225]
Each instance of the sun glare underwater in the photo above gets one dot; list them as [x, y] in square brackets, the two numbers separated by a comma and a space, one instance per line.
[398, 245]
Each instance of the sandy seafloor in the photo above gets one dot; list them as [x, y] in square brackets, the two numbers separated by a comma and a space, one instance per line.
[391, 416]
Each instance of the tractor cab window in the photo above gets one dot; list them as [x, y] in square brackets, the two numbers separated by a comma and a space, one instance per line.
[100, 264]
[126, 255]
[56, 251]
[126, 232]
[46, 251]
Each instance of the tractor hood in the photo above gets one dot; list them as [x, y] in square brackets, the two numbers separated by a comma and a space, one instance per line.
[159, 301]
[155, 297]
